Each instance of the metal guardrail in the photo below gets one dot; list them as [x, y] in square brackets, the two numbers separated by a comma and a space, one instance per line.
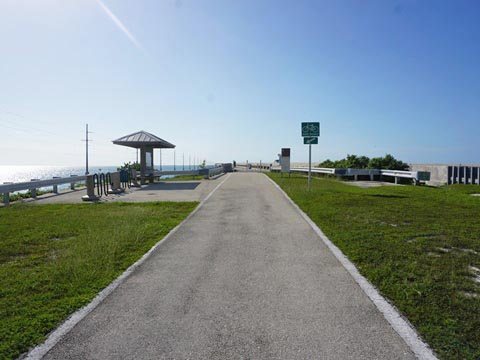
[104, 183]
[305, 169]
[258, 166]
[328, 171]
[402, 174]
[33, 185]
[36, 184]
[414, 175]
[207, 172]
[215, 171]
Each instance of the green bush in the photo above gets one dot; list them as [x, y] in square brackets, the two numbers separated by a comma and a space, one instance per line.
[387, 162]
[130, 166]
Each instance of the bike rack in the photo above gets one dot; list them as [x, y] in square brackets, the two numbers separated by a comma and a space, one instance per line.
[125, 179]
[98, 182]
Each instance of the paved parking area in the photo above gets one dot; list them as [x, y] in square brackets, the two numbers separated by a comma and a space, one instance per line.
[162, 191]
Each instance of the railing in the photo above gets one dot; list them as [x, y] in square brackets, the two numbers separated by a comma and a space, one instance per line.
[258, 166]
[305, 169]
[463, 175]
[216, 171]
[35, 184]
[207, 172]
[99, 185]
[417, 176]
[328, 171]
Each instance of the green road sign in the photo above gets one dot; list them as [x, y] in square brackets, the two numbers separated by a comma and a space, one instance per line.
[310, 129]
[310, 140]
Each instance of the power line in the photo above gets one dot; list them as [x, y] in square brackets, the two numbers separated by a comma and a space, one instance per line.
[20, 115]
[29, 130]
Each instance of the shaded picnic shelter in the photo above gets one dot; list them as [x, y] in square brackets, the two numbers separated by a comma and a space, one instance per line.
[146, 142]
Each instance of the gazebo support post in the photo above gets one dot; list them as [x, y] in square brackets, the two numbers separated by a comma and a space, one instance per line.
[146, 164]
[146, 142]
[143, 166]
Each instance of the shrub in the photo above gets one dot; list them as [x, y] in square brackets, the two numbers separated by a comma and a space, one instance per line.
[387, 162]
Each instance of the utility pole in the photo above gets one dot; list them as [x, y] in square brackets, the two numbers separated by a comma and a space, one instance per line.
[86, 148]
[160, 159]
[174, 160]
[183, 159]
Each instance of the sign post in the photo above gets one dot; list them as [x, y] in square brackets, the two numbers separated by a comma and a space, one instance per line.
[285, 161]
[310, 133]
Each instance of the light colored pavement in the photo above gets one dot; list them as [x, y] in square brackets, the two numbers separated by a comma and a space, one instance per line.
[229, 285]
[162, 191]
[370, 184]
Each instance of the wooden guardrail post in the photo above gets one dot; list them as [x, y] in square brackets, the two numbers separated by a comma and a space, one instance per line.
[72, 185]
[6, 196]
[33, 191]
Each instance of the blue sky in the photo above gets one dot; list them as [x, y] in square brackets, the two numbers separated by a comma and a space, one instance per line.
[232, 80]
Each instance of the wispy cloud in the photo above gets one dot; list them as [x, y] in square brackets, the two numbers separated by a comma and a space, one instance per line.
[120, 25]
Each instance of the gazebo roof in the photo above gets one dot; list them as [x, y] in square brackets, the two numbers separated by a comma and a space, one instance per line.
[141, 139]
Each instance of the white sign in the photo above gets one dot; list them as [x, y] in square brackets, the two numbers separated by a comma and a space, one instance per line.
[285, 161]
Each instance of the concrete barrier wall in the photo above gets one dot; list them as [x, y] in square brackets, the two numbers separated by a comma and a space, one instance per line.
[441, 174]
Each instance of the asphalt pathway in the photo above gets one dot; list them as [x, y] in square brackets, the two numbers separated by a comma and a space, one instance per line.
[161, 191]
[244, 278]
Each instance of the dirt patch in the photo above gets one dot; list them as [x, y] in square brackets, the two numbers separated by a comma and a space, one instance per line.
[425, 237]
[370, 184]
[469, 294]
[476, 273]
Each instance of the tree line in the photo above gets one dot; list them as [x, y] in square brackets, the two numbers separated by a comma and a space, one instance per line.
[387, 162]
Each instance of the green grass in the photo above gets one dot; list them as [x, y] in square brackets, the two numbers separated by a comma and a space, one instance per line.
[415, 244]
[55, 258]
[184, 178]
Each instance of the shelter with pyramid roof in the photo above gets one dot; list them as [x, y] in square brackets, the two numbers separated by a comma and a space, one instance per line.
[146, 142]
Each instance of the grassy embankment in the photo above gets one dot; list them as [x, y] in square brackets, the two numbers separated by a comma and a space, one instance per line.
[55, 258]
[184, 178]
[419, 246]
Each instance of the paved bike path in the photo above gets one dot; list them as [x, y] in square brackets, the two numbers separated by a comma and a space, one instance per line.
[244, 278]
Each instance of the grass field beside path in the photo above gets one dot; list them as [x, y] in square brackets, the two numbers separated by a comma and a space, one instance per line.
[184, 178]
[419, 246]
[54, 259]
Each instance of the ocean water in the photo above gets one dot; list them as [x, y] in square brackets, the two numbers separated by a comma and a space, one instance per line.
[27, 173]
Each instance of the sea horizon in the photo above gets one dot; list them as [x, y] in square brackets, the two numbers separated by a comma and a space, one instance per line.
[22, 173]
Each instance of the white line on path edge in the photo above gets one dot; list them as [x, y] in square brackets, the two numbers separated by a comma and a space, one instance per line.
[399, 324]
[41, 350]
